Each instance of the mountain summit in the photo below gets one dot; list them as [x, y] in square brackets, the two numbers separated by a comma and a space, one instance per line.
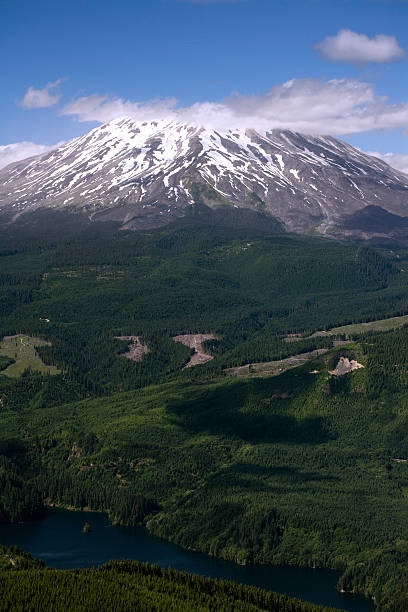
[146, 174]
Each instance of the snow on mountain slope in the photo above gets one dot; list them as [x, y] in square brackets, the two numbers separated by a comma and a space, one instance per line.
[141, 173]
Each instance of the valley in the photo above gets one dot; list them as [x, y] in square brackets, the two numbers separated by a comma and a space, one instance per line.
[292, 468]
[204, 306]
[58, 541]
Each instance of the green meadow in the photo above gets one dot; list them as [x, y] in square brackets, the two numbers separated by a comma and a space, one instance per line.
[22, 350]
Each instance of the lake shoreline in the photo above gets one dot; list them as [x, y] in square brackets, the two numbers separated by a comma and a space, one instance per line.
[59, 541]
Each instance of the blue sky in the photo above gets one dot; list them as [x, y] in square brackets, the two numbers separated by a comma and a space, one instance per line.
[210, 61]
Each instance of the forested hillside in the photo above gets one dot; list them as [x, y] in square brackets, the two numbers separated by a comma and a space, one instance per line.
[245, 287]
[129, 585]
[304, 468]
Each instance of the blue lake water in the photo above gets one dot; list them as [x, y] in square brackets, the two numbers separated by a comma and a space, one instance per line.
[59, 541]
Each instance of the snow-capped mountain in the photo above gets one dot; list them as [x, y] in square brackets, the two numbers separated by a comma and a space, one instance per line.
[147, 173]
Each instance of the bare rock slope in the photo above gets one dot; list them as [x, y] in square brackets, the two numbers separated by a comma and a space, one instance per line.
[146, 174]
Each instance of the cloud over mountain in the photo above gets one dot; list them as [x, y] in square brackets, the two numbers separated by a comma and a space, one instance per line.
[20, 150]
[395, 160]
[337, 106]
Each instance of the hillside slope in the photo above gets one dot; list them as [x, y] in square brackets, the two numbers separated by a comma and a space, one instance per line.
[146, 174]
[128, 585]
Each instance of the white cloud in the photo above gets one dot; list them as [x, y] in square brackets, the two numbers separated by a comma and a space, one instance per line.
[20, 150]
[102, 108]
[348, 46]
[340, 106]
[41, 98]
[399, 161]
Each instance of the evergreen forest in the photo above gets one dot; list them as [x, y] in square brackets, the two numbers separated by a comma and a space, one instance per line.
[304, 468]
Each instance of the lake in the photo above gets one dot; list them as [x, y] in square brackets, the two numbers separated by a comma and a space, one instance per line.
[58, 540]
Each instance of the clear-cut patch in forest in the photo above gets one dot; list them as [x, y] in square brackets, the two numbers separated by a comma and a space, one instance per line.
[22, 349]
[274, 368]
[378, 325]
[136, 349]
[344, 366]
[195, 341]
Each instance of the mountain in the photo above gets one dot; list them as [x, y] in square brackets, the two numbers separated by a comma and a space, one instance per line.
[377, 225]
[147, 174]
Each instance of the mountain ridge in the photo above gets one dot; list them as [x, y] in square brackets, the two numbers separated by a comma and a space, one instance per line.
[143, 175]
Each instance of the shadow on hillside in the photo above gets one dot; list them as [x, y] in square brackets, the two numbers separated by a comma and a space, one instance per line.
[256, 477]
[235, 412]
